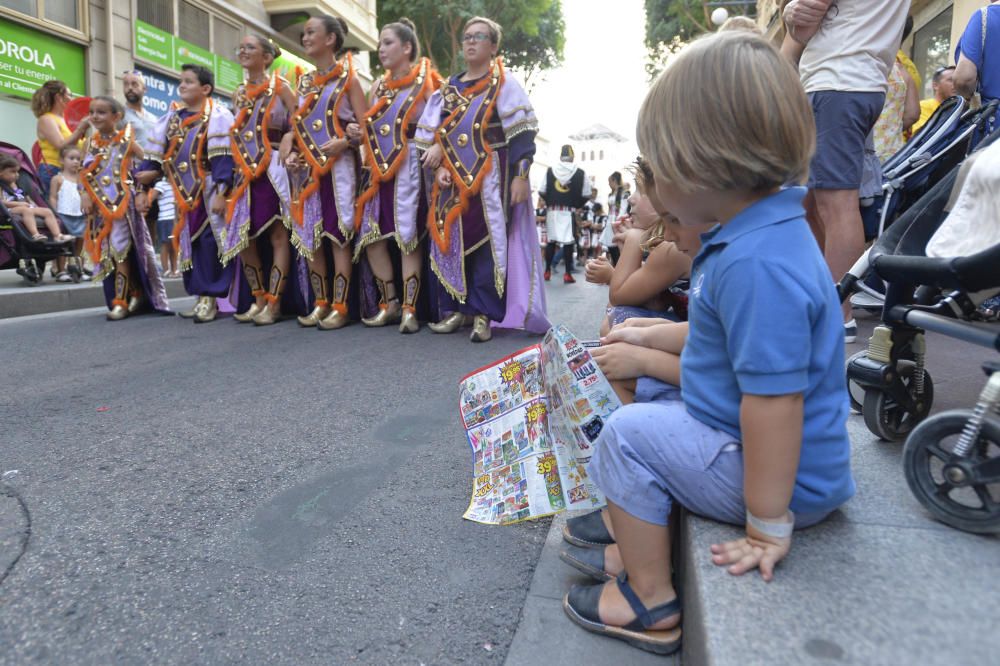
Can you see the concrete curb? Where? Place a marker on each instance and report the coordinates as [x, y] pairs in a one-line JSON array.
[[17, 300]]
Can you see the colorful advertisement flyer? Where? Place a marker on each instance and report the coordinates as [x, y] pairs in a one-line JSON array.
[[532, 420]]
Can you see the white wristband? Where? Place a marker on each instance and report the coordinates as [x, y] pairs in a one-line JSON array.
[[776, 530]]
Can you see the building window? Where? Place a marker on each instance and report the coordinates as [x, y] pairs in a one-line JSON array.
[[602, 155], [583, 156], [226, 39], [932, 48], [193, 25], [591, 156], [157, 13], [63, 12]]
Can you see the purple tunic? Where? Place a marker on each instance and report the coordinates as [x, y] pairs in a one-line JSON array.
[[492, 238]]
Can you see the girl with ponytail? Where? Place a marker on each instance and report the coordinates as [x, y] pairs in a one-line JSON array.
[[393, 202]]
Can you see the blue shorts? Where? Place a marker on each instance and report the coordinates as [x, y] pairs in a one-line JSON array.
[[843, 121], [653, 453], [164, 229], [74, 224]]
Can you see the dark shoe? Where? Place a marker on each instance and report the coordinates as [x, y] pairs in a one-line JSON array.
[[587, 531], [586, 560], [581, 605]]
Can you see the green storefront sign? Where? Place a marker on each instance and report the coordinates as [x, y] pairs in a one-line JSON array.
[[161, 48], [29, 58]]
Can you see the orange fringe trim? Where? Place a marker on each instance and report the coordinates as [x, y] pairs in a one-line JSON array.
[[119, 302], [271, 298], [249, 175], [465, 191], [432, 81], [92, 242], [316, 169], [321, 303], [90, 170]]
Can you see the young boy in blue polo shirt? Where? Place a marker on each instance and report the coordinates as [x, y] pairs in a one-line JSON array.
[[757, 433]]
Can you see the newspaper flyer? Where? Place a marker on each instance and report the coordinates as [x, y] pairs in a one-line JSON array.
[[532, 419]]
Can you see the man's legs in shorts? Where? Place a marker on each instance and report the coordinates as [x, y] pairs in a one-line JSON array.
[[843, 121]]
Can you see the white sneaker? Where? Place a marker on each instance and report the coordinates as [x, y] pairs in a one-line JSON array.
[[865, 301], [851, 331]]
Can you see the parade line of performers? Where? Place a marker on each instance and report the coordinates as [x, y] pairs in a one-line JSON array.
[[412, 204]]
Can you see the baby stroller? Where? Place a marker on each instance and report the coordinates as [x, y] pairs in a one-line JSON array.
[[952, 461], [17, 248]]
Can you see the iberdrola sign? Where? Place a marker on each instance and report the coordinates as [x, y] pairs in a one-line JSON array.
[[29, 58]]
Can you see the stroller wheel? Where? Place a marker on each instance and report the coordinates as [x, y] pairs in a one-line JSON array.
[[943, 481], [30, 271], [889, 420], [854, 390]]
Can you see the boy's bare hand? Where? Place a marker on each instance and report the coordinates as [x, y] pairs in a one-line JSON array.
[[619, 361], [623, 332], [754, 551]]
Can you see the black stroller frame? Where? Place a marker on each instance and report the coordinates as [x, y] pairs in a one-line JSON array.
[[951, 459]]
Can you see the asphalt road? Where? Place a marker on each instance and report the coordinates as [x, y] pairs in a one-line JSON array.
[[229, 494]]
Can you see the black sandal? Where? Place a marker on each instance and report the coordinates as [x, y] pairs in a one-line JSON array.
[[587, 560], [581, 604], [587, 531]]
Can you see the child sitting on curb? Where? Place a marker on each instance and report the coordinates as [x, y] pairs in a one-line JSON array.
[[759, 429]]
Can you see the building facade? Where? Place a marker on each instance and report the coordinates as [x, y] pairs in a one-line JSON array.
[[600, 151], [937, 27], [69, 40]]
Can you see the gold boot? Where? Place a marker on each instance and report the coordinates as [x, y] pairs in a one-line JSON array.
[[321, 309], [255, 280], [206, 310], [449, 324], [134, 302], [481, 331], [271, 313], [247, 317], [388, 307], [336, 319], [408, 322], [119, 306]]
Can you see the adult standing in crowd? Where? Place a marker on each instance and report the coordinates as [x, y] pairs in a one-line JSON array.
[[975, 72], [48, 104], [565, 189], [844, 52], [141, 119], [901, 109], [943, 86]]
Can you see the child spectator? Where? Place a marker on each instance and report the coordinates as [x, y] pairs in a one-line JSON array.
[[64, 198], [21, 209], [759, 429], [163, 194]]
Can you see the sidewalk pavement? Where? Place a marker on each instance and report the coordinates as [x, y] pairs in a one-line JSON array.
[[18, 298], [879, 582]]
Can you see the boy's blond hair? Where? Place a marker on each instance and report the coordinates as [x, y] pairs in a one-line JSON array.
[[728, 113], [740, 23]]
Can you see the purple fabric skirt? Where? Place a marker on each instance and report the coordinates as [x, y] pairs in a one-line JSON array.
[[265, 206], [331, 221]]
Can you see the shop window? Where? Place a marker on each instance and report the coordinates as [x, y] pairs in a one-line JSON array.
[[157, 13], [932, 48], [64, 12], [29, 7], [193, 25], [226, 39]]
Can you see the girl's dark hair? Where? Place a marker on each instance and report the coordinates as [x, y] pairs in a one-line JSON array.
[[337, 26], [643, 173], [116, 106], [8, 161], [44, 98], [407, 34], [617, 177], [267, 46]]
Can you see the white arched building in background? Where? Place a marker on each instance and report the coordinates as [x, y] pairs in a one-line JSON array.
[[600, 151]]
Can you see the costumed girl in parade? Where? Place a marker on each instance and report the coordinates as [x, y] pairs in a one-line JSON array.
[[117, 237], [479, 131], [323, 167], [394, 203], [191, 146], [256, 209]]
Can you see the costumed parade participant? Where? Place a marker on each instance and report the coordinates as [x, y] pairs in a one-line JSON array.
[[617, 208], [479, 130], [323, 168], [257, 221], [117, 237], [394, 202], [565, 189], [190, 146]]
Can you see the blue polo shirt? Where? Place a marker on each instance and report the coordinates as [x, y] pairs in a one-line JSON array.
[[765, 320]]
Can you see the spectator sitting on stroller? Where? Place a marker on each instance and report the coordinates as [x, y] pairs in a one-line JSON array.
[[21, 209]]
